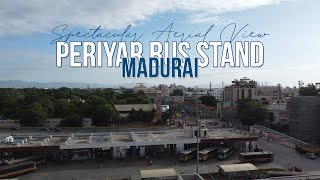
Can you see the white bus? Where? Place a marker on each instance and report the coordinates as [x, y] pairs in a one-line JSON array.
[[207, 153], [187, 155], [225, 153], [265, 156]]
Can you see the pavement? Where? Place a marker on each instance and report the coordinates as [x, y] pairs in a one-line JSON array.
[[113, 169]]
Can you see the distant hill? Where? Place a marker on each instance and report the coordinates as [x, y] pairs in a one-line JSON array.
[[23, 84]]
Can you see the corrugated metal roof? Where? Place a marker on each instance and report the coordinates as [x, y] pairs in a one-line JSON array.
[[237, 167], [154, 173], [136, 107]]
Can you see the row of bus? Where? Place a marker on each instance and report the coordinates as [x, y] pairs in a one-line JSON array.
[[20, 166], [225, 153]]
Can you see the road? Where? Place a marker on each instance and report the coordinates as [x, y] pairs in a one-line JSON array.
[[289, 157], [85, 170]]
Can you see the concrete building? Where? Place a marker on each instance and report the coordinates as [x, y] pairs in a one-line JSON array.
[[217, 93], [304, 118], [272, 94], [140, 87], [120, 144], [280, 115], [240, 89], [225, 111]]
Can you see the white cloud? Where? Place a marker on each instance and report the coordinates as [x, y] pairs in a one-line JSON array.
[[21, 16]]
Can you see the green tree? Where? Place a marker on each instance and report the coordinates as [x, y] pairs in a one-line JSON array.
[[73, 120], [104, 115], [141, 116], [309, 90], [250, 112], [208, 100], [34, 115], [177, 92], [64, 108]]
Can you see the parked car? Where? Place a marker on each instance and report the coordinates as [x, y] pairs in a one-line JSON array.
[[311, 156]]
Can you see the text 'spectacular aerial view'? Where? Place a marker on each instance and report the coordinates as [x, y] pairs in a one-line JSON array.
[[159, 90]]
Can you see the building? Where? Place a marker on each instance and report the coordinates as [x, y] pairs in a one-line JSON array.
[[279, 115], [124, 109], [217, 93], [119, 144], [240, 89], [269, 94], [140, 87], [225, 111], [304, 115]]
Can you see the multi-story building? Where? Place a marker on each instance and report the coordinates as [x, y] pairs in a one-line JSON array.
[[304, 118], [268, 95], [240, 89], [279, 115], [140, 87], [217, 93]]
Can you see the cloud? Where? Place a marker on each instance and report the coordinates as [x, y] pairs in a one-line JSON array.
[[20, 16]]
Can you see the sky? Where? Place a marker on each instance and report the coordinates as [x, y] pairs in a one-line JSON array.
[[291, 48]]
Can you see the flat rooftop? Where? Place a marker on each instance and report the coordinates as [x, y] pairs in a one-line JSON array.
[[113, 139]]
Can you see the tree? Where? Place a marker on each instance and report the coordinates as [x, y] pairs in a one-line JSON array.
[[34, 115], [167, 115], [141, 116], [104, 115], [177, 92], [73, 120], [208, 100], [309, 90], [250, 112]]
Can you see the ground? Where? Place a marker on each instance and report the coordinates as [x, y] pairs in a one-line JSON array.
[[87, 170]]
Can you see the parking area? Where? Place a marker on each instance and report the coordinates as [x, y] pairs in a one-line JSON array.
[[284, 158]]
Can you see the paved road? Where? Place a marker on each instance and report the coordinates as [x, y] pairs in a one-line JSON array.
[[87, 170], [289, 157]]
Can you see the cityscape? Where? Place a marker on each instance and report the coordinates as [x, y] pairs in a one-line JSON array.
[[241, 131], [159, 90]]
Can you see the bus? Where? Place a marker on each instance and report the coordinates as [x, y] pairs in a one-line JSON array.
[[248, 157], [225, 153], [36, 159], [14, 170], [187, 155], [205, 154]]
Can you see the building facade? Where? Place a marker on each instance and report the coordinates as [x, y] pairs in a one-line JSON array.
[[304, 118], [240, 89], [217, 93]]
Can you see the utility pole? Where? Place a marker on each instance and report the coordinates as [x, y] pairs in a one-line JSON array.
[[198, 132]]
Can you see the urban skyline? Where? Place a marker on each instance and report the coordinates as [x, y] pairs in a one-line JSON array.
[[22, 60]]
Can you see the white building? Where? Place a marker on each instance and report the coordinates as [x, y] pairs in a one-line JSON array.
[[140, 87], [280, 114], [217, 93]]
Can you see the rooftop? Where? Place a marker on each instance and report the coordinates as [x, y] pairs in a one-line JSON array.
[[111, 139], [237, 167]]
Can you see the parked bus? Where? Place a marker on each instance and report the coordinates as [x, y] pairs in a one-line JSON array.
[[14, 170], [225, 153], [36, 159], [187, 155], [205, 154], [248, 157]]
